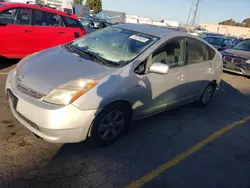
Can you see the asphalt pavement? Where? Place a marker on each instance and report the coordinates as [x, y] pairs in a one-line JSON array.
[[185, 147]]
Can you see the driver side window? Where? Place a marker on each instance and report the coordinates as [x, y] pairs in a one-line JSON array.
[[23, 17], [171, 53]]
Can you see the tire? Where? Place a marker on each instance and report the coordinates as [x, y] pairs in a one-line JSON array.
[[103, 127], [206, 95]]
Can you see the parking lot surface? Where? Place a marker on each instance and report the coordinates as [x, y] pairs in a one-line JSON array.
[[27, 161]]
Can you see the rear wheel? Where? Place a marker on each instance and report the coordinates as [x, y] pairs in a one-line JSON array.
[[206, 95], [110, 124]]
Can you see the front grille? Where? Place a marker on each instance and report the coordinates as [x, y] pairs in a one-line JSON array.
[[237, 60], [234, 60], [228, 58], [29, 92]]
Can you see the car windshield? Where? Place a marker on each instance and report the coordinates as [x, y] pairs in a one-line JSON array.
[[116, 45], [244, 45], [84, 22], [213, 40]]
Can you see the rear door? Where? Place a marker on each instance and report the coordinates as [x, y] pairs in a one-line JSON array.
[[199, 66], [17, 32], [47, 29]]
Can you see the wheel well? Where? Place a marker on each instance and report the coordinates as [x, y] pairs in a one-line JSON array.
[[214, 82], [125, 103], [121, 102]]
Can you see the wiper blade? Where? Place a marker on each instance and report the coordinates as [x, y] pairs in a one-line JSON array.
[[95, 57]]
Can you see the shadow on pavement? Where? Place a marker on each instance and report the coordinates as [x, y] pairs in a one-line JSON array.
[[5, 63], [144, 148]]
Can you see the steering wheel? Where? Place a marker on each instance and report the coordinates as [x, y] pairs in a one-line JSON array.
[[24, 19]]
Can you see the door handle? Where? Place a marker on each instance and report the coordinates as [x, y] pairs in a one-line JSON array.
[[182, 77], [27, 31], [76, 34], [61, 32], [210, 70]]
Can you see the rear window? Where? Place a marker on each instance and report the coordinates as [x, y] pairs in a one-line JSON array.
[[213, 40], [69, 22]]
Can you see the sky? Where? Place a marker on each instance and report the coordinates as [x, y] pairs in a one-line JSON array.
[[210, 11]]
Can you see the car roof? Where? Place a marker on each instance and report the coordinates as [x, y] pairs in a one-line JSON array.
[[38, 7], [219, 37], [94, 19], [147, 29]]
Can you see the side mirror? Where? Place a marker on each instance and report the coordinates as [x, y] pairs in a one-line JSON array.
[[159, 68], [91, 25], [223, 45]]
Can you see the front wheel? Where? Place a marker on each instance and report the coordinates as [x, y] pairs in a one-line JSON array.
[[206, 95], [110, 124]]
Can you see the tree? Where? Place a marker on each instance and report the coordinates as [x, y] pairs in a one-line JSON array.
[[246, 22], [230, 22], [95, 5], [77, 2]]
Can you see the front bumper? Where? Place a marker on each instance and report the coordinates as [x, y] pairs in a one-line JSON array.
[[237, 68], [53, 123]]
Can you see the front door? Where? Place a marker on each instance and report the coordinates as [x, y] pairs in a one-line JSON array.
[[17, 32], [166, 90]]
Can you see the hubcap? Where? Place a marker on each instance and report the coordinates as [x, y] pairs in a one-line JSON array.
[[207, 94], [111, 125]]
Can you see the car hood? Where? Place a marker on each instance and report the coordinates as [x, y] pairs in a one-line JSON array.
[[216, 46], [238, 53], [51, 68]]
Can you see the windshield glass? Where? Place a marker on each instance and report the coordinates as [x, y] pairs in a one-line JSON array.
[[245, 45], [116, 45], [84, 22], [215, 41]]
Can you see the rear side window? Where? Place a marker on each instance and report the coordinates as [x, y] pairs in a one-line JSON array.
[[211, 53], [8, 13], [43, 18], [7, 16], [69, 22], [197, 52], [17, 16]]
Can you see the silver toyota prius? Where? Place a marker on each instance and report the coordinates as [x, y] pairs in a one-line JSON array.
[[96, 85]]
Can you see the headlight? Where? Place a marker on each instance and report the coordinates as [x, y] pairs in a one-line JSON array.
[[69, 92], [248, 61]]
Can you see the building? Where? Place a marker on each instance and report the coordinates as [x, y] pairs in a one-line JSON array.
[[54, 3], [227, 30], [172, 23]]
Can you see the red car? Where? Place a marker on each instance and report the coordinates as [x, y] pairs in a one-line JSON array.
[[28, 28]]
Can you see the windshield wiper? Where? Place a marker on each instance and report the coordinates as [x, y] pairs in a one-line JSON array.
[[93, 55]]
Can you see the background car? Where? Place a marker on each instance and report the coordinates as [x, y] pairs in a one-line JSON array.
[[93, 24], [236, 40], [237, 59], [96, 85], [208, 34], [220, 43], [29, 28]]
